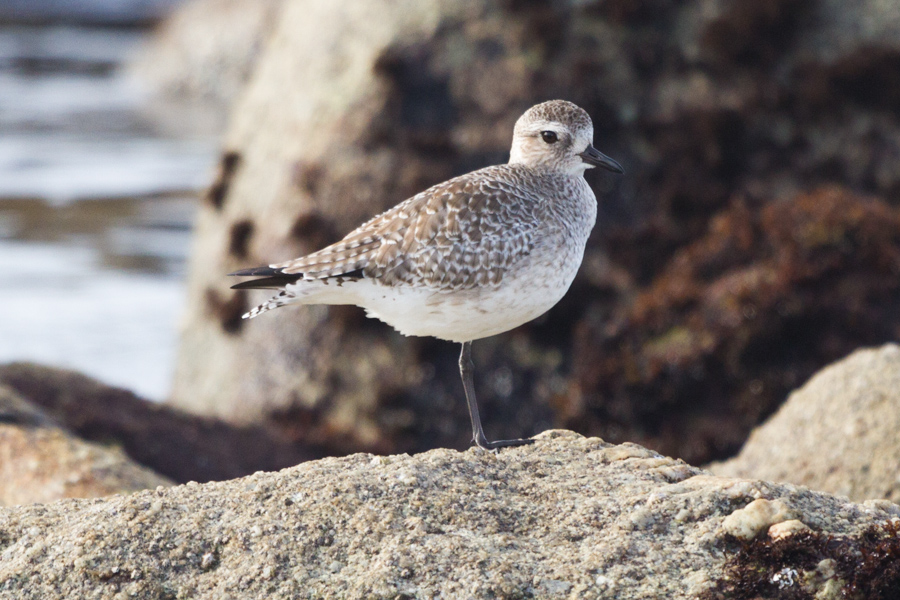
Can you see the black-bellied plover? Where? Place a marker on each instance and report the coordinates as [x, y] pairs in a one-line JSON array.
[[472, 257]]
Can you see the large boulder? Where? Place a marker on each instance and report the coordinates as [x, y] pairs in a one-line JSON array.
[[838, 433], [729, 116], [41, 462], [569, 517]]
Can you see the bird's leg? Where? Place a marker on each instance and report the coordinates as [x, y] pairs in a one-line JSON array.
[[467, 372]]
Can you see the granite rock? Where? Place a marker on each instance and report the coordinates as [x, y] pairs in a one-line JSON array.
[[178, 445], [41, 462], [569, 517], [837, 433]]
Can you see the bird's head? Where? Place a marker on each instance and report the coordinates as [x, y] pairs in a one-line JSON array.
[[556, 136]]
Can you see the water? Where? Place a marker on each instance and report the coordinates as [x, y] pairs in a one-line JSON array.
[[120, 12], [96, 204]]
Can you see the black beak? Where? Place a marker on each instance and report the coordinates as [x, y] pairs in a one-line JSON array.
[[594, 157]]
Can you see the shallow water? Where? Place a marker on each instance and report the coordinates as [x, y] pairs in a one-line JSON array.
[[96, 205]]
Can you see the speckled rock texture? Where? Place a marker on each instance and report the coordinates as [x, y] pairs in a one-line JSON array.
[[838, 433], [753, 240], [40, 462], [568, 517]]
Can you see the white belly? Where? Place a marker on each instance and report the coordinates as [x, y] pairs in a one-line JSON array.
[[467, 315], [461, 316]]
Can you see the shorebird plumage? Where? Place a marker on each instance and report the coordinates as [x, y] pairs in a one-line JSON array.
[[468, 258]]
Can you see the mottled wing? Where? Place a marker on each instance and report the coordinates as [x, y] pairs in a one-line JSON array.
[[459, 234]]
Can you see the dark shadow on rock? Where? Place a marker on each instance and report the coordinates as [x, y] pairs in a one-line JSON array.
[[738, 319], [176, 444]]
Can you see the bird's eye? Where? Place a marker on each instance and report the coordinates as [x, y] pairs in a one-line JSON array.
[[549, 137]]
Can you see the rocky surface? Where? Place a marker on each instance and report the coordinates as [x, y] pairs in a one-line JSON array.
[[838, 433], [752, 242], [178, 445], [40, 462], [569, 517]]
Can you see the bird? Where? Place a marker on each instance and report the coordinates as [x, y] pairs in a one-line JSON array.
[[469, 258]]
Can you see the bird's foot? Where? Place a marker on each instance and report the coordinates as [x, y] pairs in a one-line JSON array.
[[483, 443]]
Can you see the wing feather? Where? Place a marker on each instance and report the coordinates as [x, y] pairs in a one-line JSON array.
[[458, 234]]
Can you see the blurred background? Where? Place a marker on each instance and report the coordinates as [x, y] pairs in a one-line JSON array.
[[150, 147], [97, 193]]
